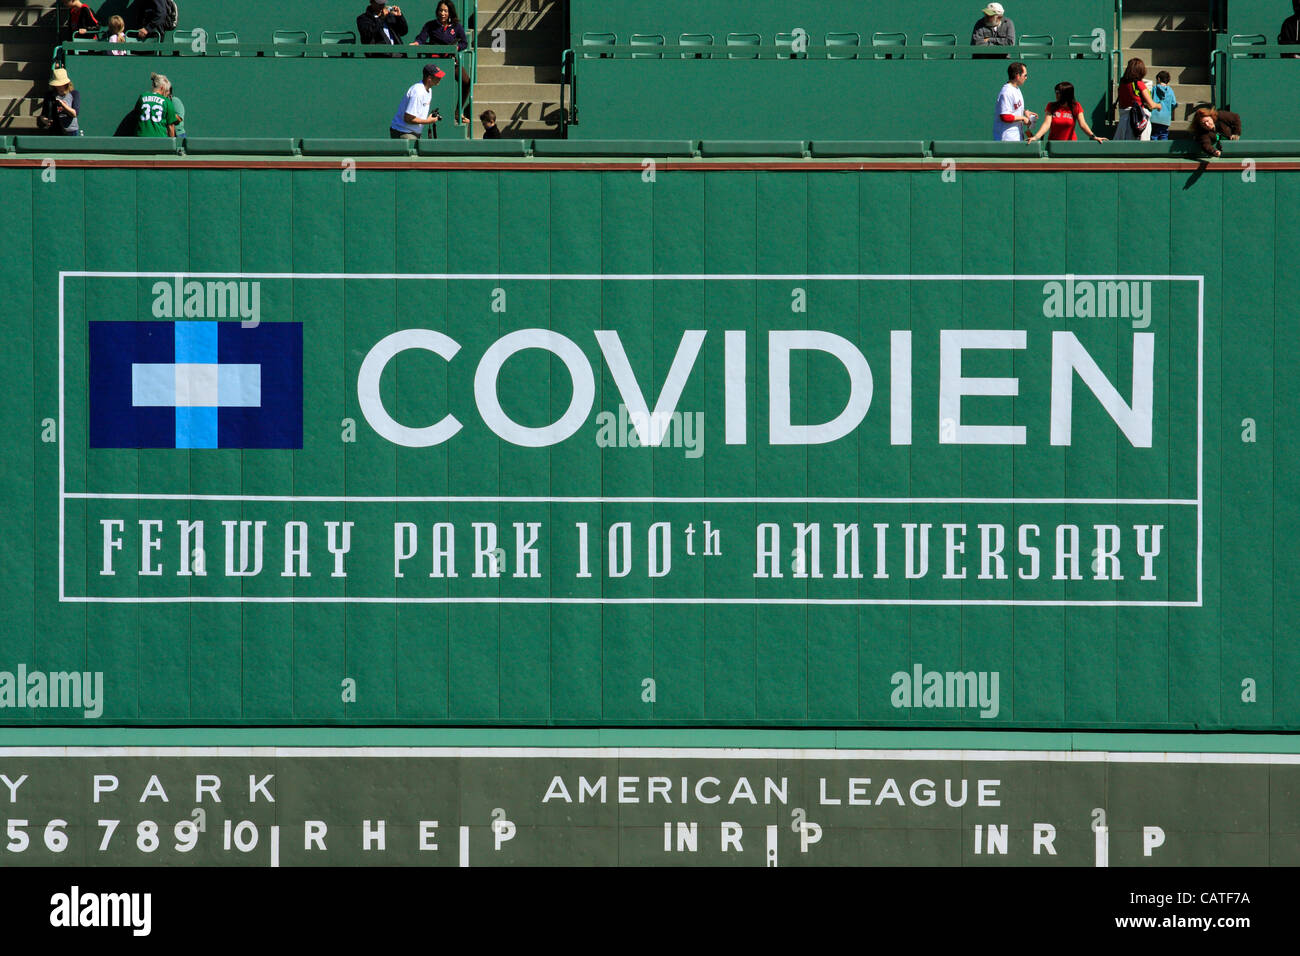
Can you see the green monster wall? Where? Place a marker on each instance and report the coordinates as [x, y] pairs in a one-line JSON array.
[[1201, 636]]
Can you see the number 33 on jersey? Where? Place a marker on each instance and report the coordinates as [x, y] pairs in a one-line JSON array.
[[155, 113]]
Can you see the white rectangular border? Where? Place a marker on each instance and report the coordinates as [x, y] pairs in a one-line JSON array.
[[64, 496], [668, 753]]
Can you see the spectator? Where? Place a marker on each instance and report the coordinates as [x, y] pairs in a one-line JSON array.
[[1211, 126], [179, 107], [151, 17], [117, 34], [1289, 35], [155, 112], [1010, 112], [81, 20], [413, 112], [489, 120], [61, 106], [1163, 115], [994, 29], [1135, 103], [445, 30], [1062, 116], [381, 24]]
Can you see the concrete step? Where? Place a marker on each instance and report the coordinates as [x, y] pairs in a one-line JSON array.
[[519, 74], [545, 112], [18, 114], [514, 92], [1166, 22], [1133, 7], [1182, 68], [521, 15]]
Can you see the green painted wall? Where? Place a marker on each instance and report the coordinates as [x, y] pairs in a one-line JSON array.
[[815, 99], [1257, 16], [271, 652], [768, 17], [1254, 85], [259, 96]]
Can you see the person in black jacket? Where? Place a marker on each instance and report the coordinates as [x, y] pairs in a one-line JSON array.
[[150, 15], [1289, 35], [381, 24]]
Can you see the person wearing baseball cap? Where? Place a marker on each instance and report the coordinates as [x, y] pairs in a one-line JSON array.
[[413, 112], [994, 29]]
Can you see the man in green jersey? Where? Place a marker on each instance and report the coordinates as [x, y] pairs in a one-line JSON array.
[[155, 113]]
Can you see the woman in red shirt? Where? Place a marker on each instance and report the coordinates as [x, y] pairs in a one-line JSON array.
[[1062, 116], [1133, 91]]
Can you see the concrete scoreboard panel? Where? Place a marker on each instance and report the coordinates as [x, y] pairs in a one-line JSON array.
[[731, 448]]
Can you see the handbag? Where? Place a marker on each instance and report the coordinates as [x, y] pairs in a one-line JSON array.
[[1138, 117]]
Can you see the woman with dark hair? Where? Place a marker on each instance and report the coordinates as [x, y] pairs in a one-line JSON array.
[[1211, 127], [1135, 103], [445, 30], [1062, 116]]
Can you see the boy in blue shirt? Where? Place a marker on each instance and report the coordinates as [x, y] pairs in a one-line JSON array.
[[1165, 101]]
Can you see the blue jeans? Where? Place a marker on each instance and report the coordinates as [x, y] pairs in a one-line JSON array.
[[1159, 132]]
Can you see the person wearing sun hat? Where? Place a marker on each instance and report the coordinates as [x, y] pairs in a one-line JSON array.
[[994, 28], [61, 106]]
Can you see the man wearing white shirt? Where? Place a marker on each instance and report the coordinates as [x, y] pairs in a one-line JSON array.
[[413, 112], [1009, 115]]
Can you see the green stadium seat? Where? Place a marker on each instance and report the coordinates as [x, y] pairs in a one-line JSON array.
[[598, 39], [358, 147], [338, 36], [1086, 149], [990, 149], [843, 46], [1247, 39], [882, 149], [517, 148], [647, 39], [939, 39], [183, 41], [696, 39], [638, 148], [1080, 45], [6, 144], [786, 42], [753, 147], [887, 40], [743, 39], [1035, 40], [155, 145], [226, 37], [250, 146], [290, 38]]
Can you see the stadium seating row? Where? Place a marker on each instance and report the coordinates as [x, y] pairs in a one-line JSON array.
[[912, 17], [625, 149], [838, 45], [1251, 77]]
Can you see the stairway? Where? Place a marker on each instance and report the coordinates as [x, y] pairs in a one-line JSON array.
[[1173, 35], [28, 35], [520, 83]]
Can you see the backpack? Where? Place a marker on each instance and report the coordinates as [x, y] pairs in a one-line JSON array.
[[172, 18]]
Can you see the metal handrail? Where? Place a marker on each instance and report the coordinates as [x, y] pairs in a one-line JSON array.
[[1218, 79], [824, 52]]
